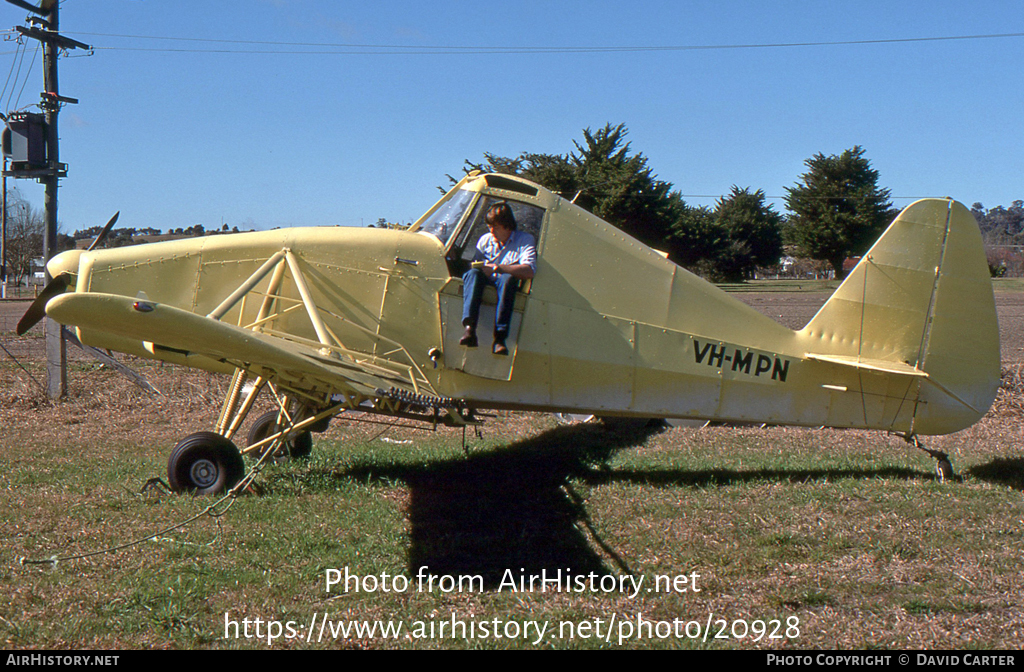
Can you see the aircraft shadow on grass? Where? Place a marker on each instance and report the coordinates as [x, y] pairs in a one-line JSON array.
[[515, 508], [1001, 471]]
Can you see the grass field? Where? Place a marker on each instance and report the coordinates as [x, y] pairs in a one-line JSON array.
[[781, 286], [1008, 284], [795, 538], [841, 539], [814, 286]]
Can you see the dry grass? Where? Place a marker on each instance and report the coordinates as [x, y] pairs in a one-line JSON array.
[[1010, 398], [849, 532]]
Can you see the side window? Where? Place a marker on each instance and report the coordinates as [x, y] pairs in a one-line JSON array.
[[442, 222], [529, 218]]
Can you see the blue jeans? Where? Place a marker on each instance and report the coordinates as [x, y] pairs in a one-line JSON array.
[[473, 283]]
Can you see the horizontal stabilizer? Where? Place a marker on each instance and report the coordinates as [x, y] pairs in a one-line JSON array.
[[879, 365]]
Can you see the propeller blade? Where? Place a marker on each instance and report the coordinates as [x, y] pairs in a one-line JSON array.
[[103, 232], [37, 310]]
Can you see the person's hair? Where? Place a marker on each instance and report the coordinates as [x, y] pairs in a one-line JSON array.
[[500, 213]]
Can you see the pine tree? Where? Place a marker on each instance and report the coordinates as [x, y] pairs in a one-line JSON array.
[[837, 207], [754, 231], [602, 176]]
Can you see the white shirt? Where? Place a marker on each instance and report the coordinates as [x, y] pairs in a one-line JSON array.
[[520, 248]]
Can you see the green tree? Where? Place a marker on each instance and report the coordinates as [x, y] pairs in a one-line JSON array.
[[999, 225], [621, 188], [604, 177], [726, 244], [837, 207], [697, 237], [753, 230]]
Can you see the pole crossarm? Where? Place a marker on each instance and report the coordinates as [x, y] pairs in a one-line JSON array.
[[51, 37], [41, 11]]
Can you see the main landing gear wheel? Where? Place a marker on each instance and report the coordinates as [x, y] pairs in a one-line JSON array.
[[205, 463], [299, 446]]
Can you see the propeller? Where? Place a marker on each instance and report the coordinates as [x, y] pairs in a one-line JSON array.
[[57, 286], [37, 310], [103, 232]]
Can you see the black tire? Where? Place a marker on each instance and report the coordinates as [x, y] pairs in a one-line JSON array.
[[262, 428], [299, 446], [204, 463]]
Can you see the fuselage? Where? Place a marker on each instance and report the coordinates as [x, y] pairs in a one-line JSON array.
[[606, 326]]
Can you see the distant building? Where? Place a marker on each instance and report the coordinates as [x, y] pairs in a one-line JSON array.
[[38, 274]]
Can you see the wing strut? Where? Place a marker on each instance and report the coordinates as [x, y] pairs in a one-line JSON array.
[[311, 309], [248, 286], [235, 409]]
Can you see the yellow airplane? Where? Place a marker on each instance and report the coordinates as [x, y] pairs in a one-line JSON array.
[[361, 319]]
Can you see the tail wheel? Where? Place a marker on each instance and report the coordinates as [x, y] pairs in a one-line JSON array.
[[205, 463], [300, 445]]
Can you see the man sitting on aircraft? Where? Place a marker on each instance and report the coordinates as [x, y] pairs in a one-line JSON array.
[[504, 256]]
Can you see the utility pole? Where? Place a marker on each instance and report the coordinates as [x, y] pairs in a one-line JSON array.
[[45, 26], [56, 346], [3, 237]]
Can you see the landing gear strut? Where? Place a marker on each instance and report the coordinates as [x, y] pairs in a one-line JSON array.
[[943, 467], [301, 445]]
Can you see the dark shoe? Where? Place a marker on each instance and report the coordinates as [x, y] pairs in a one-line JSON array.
[[500, 348], [468, 338]]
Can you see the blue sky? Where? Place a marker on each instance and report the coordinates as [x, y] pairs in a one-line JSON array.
[[178, 132]]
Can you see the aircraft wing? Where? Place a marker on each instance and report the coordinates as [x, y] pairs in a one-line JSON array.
[[177, 335]]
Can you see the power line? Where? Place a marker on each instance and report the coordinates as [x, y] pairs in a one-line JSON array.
[[420, 50], [824, 198], [31, 64], [17, 75], [13, 62]]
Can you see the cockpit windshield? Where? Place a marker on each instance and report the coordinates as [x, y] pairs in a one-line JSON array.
[[442, 222]]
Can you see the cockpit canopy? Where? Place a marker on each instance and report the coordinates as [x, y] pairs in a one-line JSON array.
[[457, 221]]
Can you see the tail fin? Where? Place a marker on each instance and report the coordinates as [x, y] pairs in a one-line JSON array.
[[920, 299]]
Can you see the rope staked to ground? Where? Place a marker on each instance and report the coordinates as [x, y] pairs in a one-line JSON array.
[[212, 510]]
